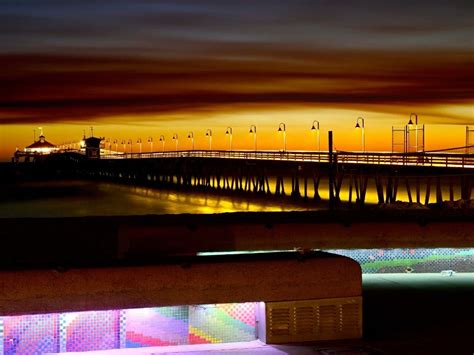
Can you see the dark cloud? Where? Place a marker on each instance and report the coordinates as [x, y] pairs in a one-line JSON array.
[[83, 60], [61, 88]]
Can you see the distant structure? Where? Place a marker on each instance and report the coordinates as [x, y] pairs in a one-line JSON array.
[[92, 147], [41, 149], [41, 146]]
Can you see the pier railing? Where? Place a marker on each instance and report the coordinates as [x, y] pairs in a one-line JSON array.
[[425, 159]]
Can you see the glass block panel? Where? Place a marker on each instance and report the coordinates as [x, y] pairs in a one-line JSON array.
[[156, 326], [87, 331], [30, 334], [222, 323], [419, 260]]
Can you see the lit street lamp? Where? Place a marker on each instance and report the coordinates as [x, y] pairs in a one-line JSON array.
[[162, 140], [209, 134], [253, 130], [191, 136], [315, 127], [139, 142], [131, 145], [116, 143], [175, 137], [410, 123], [229, 132], [362, 126], [150, 140], [123, 145], [280, 129]]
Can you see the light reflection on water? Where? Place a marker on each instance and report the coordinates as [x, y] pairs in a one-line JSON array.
[[84, 198], [371, 193]]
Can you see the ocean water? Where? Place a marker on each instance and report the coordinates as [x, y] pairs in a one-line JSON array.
[[91, 198]]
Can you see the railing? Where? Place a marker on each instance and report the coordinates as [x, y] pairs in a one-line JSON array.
[[425, 159]]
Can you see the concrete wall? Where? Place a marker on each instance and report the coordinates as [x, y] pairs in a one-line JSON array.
[[198, 280], [102, 241]]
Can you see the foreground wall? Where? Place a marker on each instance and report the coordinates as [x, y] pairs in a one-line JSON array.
[[101, 241], [197, 280]]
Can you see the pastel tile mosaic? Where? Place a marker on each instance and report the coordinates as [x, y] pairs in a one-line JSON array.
[[411, 260], [156, 326], [195, 324], [30, 334], [127, 328], [86, 331], [220, 323]]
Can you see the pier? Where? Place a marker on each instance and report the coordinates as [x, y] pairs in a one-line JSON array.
[[348, 177]]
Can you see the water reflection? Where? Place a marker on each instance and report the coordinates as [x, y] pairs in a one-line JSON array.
[[84, 198]]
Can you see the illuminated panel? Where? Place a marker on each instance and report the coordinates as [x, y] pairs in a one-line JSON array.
[[421, 260], [86, 331], [156, 326], [128, 328], [222, 323], [30, 334], [411, 260], [1, 335]]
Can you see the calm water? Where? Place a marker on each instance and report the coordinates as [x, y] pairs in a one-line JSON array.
[[85, 198]]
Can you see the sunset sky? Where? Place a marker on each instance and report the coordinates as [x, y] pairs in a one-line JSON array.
[[134, 69]]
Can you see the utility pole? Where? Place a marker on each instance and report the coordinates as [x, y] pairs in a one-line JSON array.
[[331, 170]]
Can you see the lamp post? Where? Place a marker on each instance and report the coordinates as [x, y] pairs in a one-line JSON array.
[[123, 145], [229, 132], [361, 126], [253, 130], [131, 145], [468, 141], [315, 127], [116, 143], [280, 129], [209, 134], [162, 140], [410, 123], [191, 136], [139, 142], [150, 140], [175, 137]]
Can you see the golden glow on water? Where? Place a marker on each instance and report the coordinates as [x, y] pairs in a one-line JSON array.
[[82, 198], [187, 202]]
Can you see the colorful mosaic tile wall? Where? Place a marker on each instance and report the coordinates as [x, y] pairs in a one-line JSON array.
[[129, 328], [411, 260], [132, 328]]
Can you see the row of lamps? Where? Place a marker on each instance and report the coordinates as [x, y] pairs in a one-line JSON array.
[[360, 124]]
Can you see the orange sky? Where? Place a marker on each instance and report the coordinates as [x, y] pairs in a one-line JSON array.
[[134, 70], [298, 123]]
